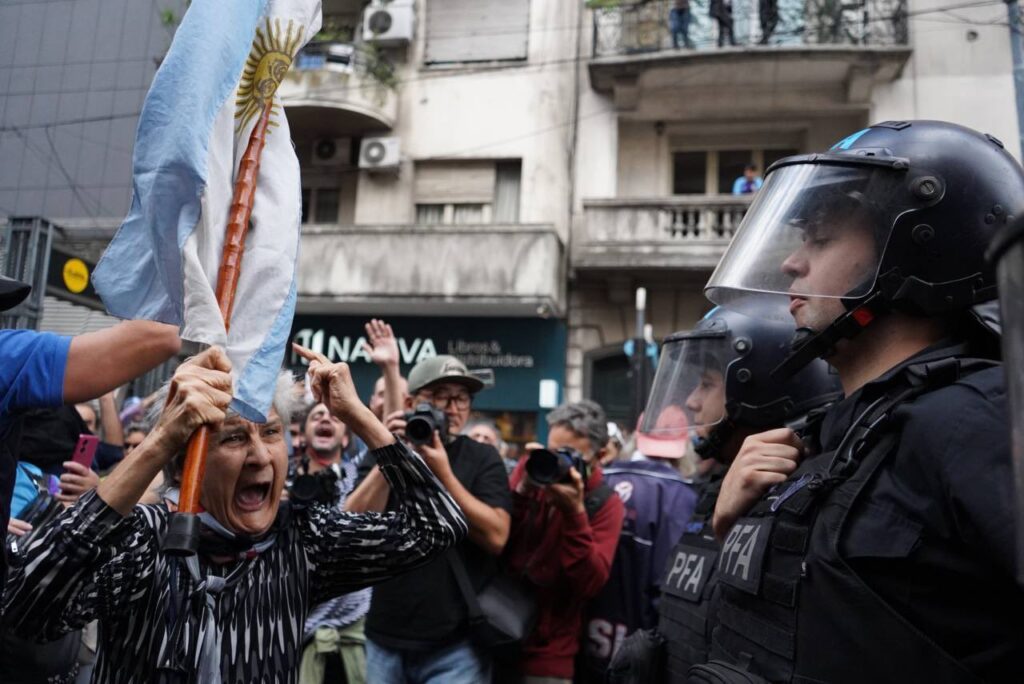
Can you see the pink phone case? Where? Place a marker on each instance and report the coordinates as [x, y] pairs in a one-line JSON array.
[[85, 450]]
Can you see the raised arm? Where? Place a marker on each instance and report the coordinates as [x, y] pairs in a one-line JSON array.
[[102, 360], [199, 394], [352, 550], [383, 348], [113, 431]]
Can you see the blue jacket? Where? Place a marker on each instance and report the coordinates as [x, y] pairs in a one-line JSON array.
[[658, 503]]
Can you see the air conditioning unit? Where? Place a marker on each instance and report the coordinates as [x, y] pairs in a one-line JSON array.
[[388, 24], [331, 151], [380, 154]]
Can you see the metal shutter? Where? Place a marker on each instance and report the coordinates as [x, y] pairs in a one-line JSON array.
[[468, 182], [477, 30]]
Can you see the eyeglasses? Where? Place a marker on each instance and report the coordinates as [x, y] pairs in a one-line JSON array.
[[441, 400]]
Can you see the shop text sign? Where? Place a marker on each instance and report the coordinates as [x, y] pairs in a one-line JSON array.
[[487, 354], [522, 352]]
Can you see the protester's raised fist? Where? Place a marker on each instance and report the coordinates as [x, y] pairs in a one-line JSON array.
[[199, 394], [331, 383], [764, 460]]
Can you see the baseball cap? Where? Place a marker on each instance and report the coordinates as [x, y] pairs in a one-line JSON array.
[[12, 292], [668, 444], [442, 368]]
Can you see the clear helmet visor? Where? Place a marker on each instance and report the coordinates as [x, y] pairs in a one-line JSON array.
[[814, 230], [688, 394]]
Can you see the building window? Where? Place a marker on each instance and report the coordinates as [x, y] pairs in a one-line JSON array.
[[607, 381], [712, 172], [730, 167], [321, 204], [477, 30], [467, 193], [689, 173]]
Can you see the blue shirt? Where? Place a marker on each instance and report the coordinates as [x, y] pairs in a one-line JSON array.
[[32, 368], [741, 186]]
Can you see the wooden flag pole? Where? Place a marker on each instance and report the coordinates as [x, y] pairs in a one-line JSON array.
[[183, 534]]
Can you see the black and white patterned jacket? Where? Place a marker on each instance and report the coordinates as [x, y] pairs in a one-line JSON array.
[[92, 563]]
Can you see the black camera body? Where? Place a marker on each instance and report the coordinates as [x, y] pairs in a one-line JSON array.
[[320, 487], [545, 467], [421, 422]]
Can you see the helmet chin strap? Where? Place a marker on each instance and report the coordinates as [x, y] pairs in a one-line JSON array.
[[710, 447], [808, 345]]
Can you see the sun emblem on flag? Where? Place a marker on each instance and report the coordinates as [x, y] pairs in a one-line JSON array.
[[272, 52]]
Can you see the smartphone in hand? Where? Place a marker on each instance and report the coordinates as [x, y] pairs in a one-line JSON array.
[[85, 450]]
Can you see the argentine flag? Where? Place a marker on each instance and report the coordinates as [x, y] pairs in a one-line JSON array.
[[227, 59]]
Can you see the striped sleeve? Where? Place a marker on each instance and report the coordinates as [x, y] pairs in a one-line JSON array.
[[86, 564], [354, 550]]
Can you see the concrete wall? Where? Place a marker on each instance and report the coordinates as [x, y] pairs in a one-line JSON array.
[[494, 111], [960, 70], [602, 314]]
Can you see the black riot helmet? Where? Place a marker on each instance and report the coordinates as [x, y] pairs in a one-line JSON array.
[[12, 292], [895, 216], [716, 378]]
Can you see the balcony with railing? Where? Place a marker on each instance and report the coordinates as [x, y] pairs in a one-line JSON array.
[[336, 89], [490, 269], [661, 233], [845, 47]]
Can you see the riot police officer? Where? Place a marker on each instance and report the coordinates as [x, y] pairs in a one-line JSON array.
[[713, 386], [885, 552]]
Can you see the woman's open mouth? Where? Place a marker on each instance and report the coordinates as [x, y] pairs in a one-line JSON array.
[[252, 497]]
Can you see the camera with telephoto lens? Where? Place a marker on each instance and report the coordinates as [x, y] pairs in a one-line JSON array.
[[320, 487], [421, 423], [545, 467]]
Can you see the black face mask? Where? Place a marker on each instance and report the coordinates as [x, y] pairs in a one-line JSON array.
[[49, 436]]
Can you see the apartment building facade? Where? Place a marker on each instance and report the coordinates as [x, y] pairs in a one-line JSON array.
[[497, 177]]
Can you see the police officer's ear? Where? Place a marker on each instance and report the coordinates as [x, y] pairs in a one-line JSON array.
[[601, 455]]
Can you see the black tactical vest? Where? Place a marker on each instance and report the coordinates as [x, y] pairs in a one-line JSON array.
[[789, 606], [688, 590]]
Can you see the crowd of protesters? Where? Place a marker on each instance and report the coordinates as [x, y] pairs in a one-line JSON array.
[[342, 550]]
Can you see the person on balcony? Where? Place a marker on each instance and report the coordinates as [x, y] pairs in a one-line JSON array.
[[768, 12], [679, 24], [721, 11], [748, 183]]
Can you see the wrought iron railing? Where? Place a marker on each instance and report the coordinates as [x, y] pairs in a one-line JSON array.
[[643, 25]]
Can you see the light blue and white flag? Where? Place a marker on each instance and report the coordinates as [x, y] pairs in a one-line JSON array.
[[227, 58]]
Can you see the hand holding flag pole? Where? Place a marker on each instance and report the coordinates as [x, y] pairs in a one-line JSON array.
[[183, 535]]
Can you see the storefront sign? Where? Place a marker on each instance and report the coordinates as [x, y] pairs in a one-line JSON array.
[[526, 355], [69, 277]]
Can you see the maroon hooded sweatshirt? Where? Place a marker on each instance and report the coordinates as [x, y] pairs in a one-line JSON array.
[[568, 561]]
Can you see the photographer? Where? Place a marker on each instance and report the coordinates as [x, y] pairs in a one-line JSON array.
[[564, 536], [417, 626]]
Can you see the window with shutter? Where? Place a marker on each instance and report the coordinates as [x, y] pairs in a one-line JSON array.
[[477, 30], [467, 192]]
